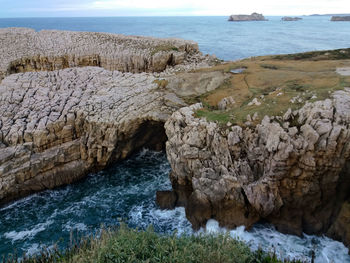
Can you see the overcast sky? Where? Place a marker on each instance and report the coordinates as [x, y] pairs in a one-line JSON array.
[[49, 8]]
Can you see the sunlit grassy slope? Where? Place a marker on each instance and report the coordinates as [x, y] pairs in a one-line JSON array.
[[277, 82]]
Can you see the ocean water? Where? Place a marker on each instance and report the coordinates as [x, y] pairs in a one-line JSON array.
[[126, 191], [215, 35]]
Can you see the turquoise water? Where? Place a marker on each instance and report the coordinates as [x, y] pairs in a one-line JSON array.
[[215, 35], [126, 191]]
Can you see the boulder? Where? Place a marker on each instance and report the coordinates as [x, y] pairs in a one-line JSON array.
[[166, 199]]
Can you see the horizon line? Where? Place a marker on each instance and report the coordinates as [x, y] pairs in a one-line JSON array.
[[101, 16]]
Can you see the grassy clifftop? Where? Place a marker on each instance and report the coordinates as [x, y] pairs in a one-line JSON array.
[[270, 85]]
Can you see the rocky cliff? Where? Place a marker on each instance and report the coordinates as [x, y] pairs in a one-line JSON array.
[[61, 119], [23, 49], [252, 17], [291, 171], [57, 126]]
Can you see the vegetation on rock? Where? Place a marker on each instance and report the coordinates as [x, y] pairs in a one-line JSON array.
[[270, 85]]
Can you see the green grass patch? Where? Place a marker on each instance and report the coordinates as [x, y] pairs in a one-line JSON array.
[[317, 55], [163, 48], [269, 66], [215, 115], [129, 245]]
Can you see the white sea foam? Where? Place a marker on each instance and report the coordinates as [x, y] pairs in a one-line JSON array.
[[28, 233], [172, 220], [69, 226], [286, 246], [33, 249]]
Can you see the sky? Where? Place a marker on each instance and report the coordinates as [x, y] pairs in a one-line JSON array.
[[66, 8]]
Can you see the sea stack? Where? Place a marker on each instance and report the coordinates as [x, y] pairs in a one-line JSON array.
[[252, 17], [340, 18], [288, 18]]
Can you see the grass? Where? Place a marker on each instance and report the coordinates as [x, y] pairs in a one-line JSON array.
[[277, 82], [164, 47], [336, 54], [130, 245]]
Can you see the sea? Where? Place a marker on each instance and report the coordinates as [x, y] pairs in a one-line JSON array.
[[126, 191]]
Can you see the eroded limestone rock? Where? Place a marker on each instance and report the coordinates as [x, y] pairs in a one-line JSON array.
[[61, 119], [57, 126], [291, 175], [23, 49]]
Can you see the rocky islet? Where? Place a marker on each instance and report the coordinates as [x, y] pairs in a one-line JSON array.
[[340, 18], [288, 18], [252, 17]]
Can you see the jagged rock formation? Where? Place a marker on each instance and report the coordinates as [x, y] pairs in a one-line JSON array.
[[252, 17], [23, 49], [340, 18], [292, 171], [58, 125], [288, 18]]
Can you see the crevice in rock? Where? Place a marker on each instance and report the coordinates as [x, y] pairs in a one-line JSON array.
[[343, 193], [150, 135], [246, 202]]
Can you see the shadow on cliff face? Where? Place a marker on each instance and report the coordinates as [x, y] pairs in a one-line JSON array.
[[51, 63], [149, 134], [141, 134], [42, 63]]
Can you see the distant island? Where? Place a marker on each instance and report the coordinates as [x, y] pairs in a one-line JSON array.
[[330, 15], [288, 18], [252, 17], [340, 18]]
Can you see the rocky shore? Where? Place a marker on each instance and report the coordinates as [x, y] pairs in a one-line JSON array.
[[24, 49], [292, 171], [56, 126], [75, 102], [256, 160], [252, 17]]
